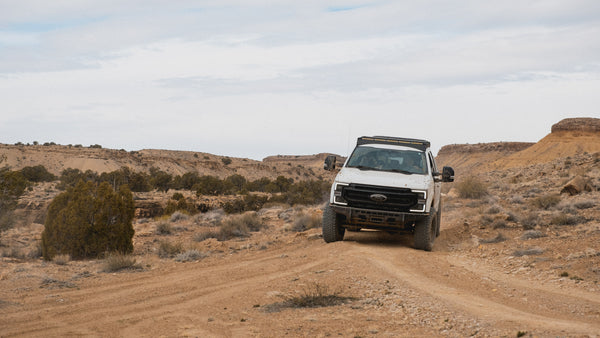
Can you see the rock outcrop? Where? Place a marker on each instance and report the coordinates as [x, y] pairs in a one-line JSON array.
[[581, 124]]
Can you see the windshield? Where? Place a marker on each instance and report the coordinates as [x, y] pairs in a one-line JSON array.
[[394, 160]]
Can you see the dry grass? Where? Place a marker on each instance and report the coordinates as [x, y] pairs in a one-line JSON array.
[[528, 252], [190, 256], [499, 238], [471, 187], [61, 259], [565, 219], [546, 201], [168, 249], [306, 221], [164, 228], [315, 295], [117, 262]]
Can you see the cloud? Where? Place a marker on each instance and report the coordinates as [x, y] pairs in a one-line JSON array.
[[313, 76]]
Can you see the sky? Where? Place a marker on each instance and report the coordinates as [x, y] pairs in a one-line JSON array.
[[255, 78]]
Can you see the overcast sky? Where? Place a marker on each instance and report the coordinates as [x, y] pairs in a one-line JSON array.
[[257, 78]]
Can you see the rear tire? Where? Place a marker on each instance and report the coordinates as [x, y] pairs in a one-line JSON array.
[[425, 231], [332, 228]]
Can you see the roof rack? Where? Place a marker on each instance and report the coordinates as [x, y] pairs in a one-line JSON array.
[[400, 141]]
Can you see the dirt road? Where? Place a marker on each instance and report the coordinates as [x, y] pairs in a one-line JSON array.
[[394, 289]]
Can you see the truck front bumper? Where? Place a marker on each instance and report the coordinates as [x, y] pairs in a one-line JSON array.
[[378, 219]]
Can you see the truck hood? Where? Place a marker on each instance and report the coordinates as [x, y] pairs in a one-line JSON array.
[[383, 178]]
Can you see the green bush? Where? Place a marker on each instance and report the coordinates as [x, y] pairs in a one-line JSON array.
[[12, 186], [88, 220], [38, 173], [247, 203], [70, 177], [209, 185], [471, 187], [162, 181]]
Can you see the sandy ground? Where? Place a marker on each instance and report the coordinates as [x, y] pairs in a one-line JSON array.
[[460, 289]]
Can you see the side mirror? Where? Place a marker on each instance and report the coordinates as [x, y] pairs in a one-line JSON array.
[[447, 174], [330, 163]]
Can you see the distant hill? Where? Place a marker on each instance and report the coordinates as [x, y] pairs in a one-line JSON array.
[[56, 158], [568, 137]]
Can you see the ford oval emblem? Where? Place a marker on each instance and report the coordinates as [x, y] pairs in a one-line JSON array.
[[378, 198]]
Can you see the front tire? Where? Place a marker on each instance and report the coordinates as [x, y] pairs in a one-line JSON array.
[[332, 227], [425, 231]]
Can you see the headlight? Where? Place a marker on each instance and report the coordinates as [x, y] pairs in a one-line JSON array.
[[421, 200], [338, 190]]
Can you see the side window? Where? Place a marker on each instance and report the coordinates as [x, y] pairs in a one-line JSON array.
[[432, 163]]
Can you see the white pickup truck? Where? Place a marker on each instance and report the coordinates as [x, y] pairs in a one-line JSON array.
[[390, 184]]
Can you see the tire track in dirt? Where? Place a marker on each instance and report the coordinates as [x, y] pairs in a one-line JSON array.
[[422, 272], [134, 305]]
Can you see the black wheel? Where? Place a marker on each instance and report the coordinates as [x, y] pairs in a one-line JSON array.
[[332, 228], [425, 231]]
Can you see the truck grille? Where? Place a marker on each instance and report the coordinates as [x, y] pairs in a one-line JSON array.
[[382, 198]]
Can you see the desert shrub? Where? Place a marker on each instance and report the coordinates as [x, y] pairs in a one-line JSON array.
[[186, 181], [12, 186], [516, 199], [70, 177], [565, 219], [206, 235], [135, 181], [494, 209], [252, 221], [226, 160], [546, 201], [239, 226], [528, 252], [178, 216], [88, 220], [160, 180], [258, 185], [177, 196], [235, 183], [180, 206], [306, 193], [168, 249], [499, 238], [585, 204], [190, 256], [512, 217], [315, 295], [306, 221], [249, 202], [164, 228], [485, 220], [61, 259], [532, 234], [209, 185], [498, 224], [38, 173], [471, 187], [530, 221], [117, 261]]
